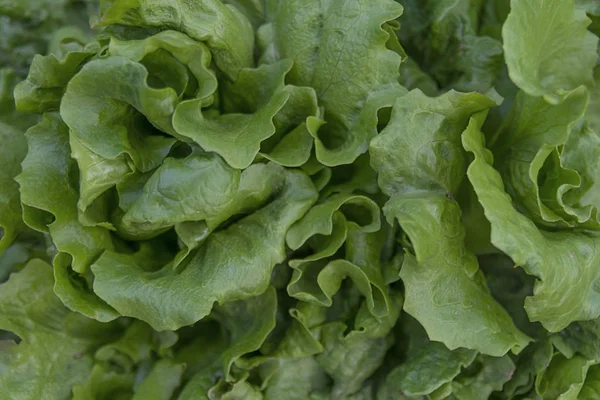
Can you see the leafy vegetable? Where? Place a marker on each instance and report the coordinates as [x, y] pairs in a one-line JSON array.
[[298, 199]]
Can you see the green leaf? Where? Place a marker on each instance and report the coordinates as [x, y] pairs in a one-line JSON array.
[[12, 152], [197, 388], [302, 337], [548, 48], [295, 126], [592, 115], [116, 90], [214, 272], [47, 79], [580, 153], [295, 379], [237, 134], [241, 390], [49, 198], [320, 219], [580, 337], [168, 56], [421, 165], [564, 378], [492, 374], [254, 10], [565, 263], [57, 344], [105, 385], [338, 219], [427, 370], [440, 261], [204, 21], [510, 286], [420, 148], [194, 188], [443, 38], [353, 357], [248, 323], [136, 345], [34, 27], [161, 382], [413, 77], [340, 51], [352, 178], [532, 131]]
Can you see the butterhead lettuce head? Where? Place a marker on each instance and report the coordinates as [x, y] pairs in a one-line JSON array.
[[299, 199]]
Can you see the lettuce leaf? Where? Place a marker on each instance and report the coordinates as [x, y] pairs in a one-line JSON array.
[[299, 199]]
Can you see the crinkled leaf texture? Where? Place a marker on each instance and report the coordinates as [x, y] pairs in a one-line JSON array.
[[194, 208], [48, 169], [566, 263], [56, 347], [12, 152], [548, 47], [338, 48], [232, 264], [421, 165]]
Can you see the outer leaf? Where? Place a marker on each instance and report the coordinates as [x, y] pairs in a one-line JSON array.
[[565, 263], [564, 378], [420, 148], [351, 358], [12, 152], [55, 352], [532, 131], [466, 316], [193, 55], [203, 20], [548, 47], [338, 49], [49, 198], [116, 90], [295, 125], [421, 165], [47, 80], [235, 136], [194, 188], [442, 36], [248, 323], [167, 299]]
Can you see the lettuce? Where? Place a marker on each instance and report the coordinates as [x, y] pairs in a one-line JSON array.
[[292, 199]]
